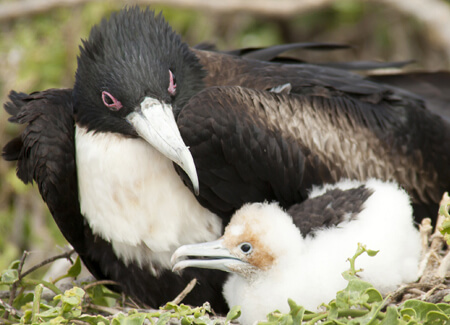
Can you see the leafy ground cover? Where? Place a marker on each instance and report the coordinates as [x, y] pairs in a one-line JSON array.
[[24, 301]]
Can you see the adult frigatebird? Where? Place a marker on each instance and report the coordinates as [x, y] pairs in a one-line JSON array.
[[300, 253], [238, 130]]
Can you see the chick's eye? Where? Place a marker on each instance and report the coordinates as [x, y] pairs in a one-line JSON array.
[[246, 248], [172, 84], [110, 101]]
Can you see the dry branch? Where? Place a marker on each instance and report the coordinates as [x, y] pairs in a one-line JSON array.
[[435, 14], [185, 292], [14, 10]]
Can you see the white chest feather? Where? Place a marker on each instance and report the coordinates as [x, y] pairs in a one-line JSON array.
[[132, 197]]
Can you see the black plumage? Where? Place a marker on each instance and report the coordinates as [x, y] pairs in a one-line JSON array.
[[329, 209], [249, 140]]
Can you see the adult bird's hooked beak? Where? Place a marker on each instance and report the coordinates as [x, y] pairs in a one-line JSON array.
[[156, 124], [212, 255]]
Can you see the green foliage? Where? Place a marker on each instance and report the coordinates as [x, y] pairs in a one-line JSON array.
[[234, 313], [361, 304], [358, 304], [444, 211], [74, 305]]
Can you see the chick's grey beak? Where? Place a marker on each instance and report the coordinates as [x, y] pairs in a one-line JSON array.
[[211, 255], [156, 124]]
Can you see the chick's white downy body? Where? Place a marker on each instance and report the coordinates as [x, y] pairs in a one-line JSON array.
[[308, 270]]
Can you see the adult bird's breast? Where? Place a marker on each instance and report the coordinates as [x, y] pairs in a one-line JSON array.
[[132, 197]]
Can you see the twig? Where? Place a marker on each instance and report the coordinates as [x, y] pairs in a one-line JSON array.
[[425, 229], [10, 309], [438, 296], [16, 283], [185, 291], [109, 310], [21, 275], [445, 265], [410, 287], [66, 255], [132, 303], [431, 272], [100, 282], [76, 321], [430, 292]]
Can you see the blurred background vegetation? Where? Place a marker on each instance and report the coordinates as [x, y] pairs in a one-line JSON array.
[[39, 51]]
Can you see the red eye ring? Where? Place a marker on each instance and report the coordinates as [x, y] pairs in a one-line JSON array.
[[110, 101], [172, 84]]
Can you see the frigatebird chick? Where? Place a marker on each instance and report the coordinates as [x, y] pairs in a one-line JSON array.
[[300, 253]]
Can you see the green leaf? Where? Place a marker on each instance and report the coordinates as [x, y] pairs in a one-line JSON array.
[[48, 285], [355, 294], [9, 276], [14, 265], [170, 306], [184, 310], [445, 308], [102, 296], [391, 317], [234, 313], [71, 301], [163, 319], [285, 319], [94, 320], [26, 318], [371, 252], [134, 319], [273, 317], [75, 269], [296, 312], [421, 308], [408, 313], [374, 295], [371, 317], [435, 317], [36, 302], [23, 299], [333, 312], [444, 209], [50, 313]]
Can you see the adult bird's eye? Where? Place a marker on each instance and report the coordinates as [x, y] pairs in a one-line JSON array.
[[246, 248], [110, 101], [172, 84]]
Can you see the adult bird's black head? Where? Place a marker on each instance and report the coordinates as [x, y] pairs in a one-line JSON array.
[[134, 75]]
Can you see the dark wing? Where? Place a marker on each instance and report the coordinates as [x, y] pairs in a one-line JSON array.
[[274, 54], [227, 70], [329, 209], [251, 146], [365, 65], [45, 154], [271, 53]]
